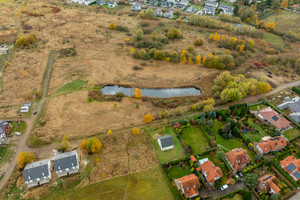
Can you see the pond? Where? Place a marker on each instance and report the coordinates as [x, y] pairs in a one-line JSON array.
[[152, 92]]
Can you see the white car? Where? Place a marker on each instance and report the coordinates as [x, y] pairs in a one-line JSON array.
[[17, 133], [24, 109], [224, 187]]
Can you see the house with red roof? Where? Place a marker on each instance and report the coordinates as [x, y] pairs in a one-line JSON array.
[[192, 157], [268, 183], [211, 172], [237, 159], [292, 166], [189, 185], [274, 118], [271, 144]]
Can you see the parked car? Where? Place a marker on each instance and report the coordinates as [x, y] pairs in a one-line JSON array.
[[35, 112], [17, 133], [240, 174], [224, 187]]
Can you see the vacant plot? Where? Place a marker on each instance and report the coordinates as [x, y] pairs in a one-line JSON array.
[[144, 185], [173, 154], [193, 137], [286, 21], [291, 133]]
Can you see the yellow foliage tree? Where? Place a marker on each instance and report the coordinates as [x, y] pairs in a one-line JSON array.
[[92, 145], [132, 50], [210, 55], [83, 144], [183, 53], [216, 37], [242, 47], [138, 93], [25, 158], [65, 143], [190, 61], [209, 101], [198, 59], [183, 59], [227, 51], [211, 36], [167, 59], [284, 3], [270, 26], [234, 39], [109, 132], [208, 108], [112, 26], [127, 39], [148, 118], [204, 59], [135, 131]]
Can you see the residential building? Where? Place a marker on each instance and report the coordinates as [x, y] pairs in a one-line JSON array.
[[158, 12], [166, 142], [85, 2], [211, 172], [272, 144], [66, 163], [274, 118], [166, 4], [268, 183], [189, 185], [226, 9], [237, 159], [37, 173], [169, 14], [211, 3], [191, 9], [172, 1], [111, 4], [292, 166], [153, 3], [293, 105], [193, 158], [101, 2], [142, 1], [135, 7], [180, 6], [209, 10], [5, 127]]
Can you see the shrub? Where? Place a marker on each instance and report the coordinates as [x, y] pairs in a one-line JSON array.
[[173, 33], [145, 24], [139, 35], [191, 49], [120, 95], [25, 40], [148, 14], [122, 28], [135, 131], [148, 118], [198, 42], [112, 26]]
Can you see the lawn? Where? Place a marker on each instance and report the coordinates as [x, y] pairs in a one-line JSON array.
[[22, 127], [229, 144], [255, 137], [144, 185], [235, 197], [285, 21], [257, 127], [177, 171], [255, 107], [7, 155], [71, 87], [194, 137], [173, 154], [291, 133], [274, 39], [13, 124]]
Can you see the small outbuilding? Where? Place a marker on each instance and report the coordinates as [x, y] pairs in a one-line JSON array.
[[166, 142]]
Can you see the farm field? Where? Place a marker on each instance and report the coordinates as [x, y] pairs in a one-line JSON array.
[[144, 185], [192, 136], [173, 154]]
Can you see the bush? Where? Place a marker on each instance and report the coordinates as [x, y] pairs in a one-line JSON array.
[[198, 42], [122, 28], [25, 40], [145, 24], [120, 95], [174, 33], [112, 26]]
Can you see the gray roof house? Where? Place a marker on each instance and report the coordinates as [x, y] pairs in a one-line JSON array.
[[169, 15], [135, 7], [180, 6], [153, 2], [166, 4], [293, 105], [37, 173], [209, 10], [226, 9], [111, 4], [158, 12], [66, 163], [101, 2], [211, 3], [3, 131], [166, 142], [185, 2], [191, 9]]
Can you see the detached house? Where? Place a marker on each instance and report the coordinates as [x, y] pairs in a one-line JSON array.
[[237, 159], [66, 164], [111, 4], [135, 7], [211, 3], [166, 142], [209, 10], [271, 116], [153, 3], [268, 183], [209, 170], [169, 15], [158, 12], [37, 173], [189, 185], [271, 144], [292, 166], [293, 105]]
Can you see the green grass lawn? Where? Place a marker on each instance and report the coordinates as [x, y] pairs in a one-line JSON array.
[[177, 172], [274, 39], [7, 155], [173, 154], [70, 87], [235, 197], [257, 127], [144, 185], [194, 137], [13, 124], [22, 127], [291, 133], [255, 107]]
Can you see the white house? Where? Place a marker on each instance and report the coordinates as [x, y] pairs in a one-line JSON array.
[[166, 142]]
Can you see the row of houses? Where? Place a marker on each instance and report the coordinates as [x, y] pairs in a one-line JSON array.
[[38, 173], [211, 7]]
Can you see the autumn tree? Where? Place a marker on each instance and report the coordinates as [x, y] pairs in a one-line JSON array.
[[139, 35], [91, 145], [135, 131], [208, 108], [109, 132], [148, 14], [138, 93], [65, 143], [148, 118], [284, 3], [198, 42], [112, 26], [276, 5], [25, 40], [270, 26], [198, 59], [174, 33], [25, 158]]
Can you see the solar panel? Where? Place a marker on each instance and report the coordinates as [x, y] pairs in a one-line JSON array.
[[275, 118], [296, 174], [291, 167]]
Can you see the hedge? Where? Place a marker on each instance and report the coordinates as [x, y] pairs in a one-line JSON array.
[[296, 89], [177, 161], [253, 166], [229, 194], [205, 152], [205, 133], [265, 15], [285, 174]]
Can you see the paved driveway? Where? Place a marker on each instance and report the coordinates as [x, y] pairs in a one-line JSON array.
[[231, 188], [296, 196]]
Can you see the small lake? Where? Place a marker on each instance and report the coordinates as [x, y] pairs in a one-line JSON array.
[[153, 92]]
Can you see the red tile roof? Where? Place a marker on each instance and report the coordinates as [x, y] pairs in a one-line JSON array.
[[192, 157], [211, 171], [291, 165], [238, 158], [274, 118], [190, 185], [272, 144], [266, 183]]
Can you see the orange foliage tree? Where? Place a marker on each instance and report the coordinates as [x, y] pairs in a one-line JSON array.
[[135, 131], [92, 145], [148, 118], [138, 93], [270, 26], [112, 26], [284, 3]]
